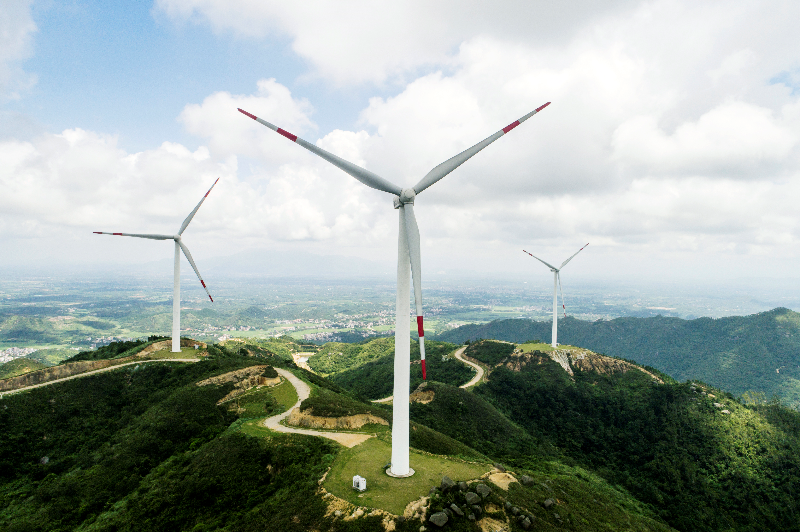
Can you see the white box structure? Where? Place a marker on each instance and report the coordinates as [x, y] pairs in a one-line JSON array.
[[359, 483]]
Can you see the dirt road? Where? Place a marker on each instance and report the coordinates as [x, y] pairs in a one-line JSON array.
[[96, 371], [348, 439], [475, 380], [478, 376]]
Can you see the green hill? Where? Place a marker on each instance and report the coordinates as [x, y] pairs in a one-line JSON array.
[[758, 353], [699, 457], [19, 366], [367, 369], [591, 442]]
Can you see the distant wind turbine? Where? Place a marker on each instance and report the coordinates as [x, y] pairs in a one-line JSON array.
[[408, 262], [557, 286], [176, 290]]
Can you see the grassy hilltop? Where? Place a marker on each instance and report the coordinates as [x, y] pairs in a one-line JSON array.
[[591, 443]]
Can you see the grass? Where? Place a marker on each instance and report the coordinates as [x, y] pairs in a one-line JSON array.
[[541, 346], [284, 394], [383, 491]]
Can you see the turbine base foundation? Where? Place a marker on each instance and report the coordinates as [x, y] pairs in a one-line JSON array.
[[410, 472]]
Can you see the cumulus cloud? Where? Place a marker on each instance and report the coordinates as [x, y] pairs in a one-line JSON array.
[[355, 41], [733, 139], [228, 132]]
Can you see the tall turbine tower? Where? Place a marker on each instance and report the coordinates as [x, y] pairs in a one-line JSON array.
[[176, 289], [408, 263], [557, 286]]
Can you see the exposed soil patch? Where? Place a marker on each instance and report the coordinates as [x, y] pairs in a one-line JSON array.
[[308, 420], [242, 379]]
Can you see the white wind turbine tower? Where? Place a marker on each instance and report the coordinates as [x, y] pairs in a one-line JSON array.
[[408, 262], [176, 290], [557, 286]]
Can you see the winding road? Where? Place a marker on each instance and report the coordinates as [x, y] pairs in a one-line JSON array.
[[478, 376], [348, 439], [458, 354]]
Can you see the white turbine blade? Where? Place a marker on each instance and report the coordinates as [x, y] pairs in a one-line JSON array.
[[194, 267], [188, 219], [152, 237], [563, 303], [412, 233], [569, 259], [454, 162], [365, 176], [540, 260]]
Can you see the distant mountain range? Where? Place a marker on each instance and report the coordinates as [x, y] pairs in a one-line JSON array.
[[756, 353]]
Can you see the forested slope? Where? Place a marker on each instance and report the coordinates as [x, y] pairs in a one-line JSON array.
[[758, 353]]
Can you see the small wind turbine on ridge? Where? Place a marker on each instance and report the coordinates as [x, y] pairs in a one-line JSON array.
[[408, 262], [557, 286], [176, 289]]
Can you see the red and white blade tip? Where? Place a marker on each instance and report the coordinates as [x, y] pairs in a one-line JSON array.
[[423, 370], [247, 114], [542, 107]]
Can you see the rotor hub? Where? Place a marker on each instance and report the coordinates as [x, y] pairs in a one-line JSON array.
[[406, 197]]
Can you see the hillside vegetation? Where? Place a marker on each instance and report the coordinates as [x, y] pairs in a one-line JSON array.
[[758, 353], [19, 366], [699, 457], [611, 446], [368, 369]]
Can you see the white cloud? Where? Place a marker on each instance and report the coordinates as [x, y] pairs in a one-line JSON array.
[[733, 139], [229, 132], [16, 33], [356, 41]]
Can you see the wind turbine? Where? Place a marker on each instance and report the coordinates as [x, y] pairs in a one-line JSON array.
[[408, 262], [176, 290], [557, 285]]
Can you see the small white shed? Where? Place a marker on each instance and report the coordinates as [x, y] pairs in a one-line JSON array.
[[359, 483]]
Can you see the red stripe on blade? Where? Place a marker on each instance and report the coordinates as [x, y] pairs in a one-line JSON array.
[[510, 126], [117, 234], [248, 114], [424, 377], [211, 298], [288, 135], [97, 232], [420, 329], [204, 284], [542, 107]]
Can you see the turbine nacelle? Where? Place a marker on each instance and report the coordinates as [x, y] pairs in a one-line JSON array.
[[405, 198]]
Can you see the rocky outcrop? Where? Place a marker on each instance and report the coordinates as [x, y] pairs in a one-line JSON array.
[[574, 358], [242, 379], [422, 395], [308, 420]]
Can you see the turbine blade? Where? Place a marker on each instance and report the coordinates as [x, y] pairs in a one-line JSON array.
[[365, 176], [194, 267], [188, 219], [454, 162], [412, 233], [569, 259], [543, 262], [563, 303], [151, 237]]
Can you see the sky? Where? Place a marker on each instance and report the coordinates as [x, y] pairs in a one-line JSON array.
[[672, 144]]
